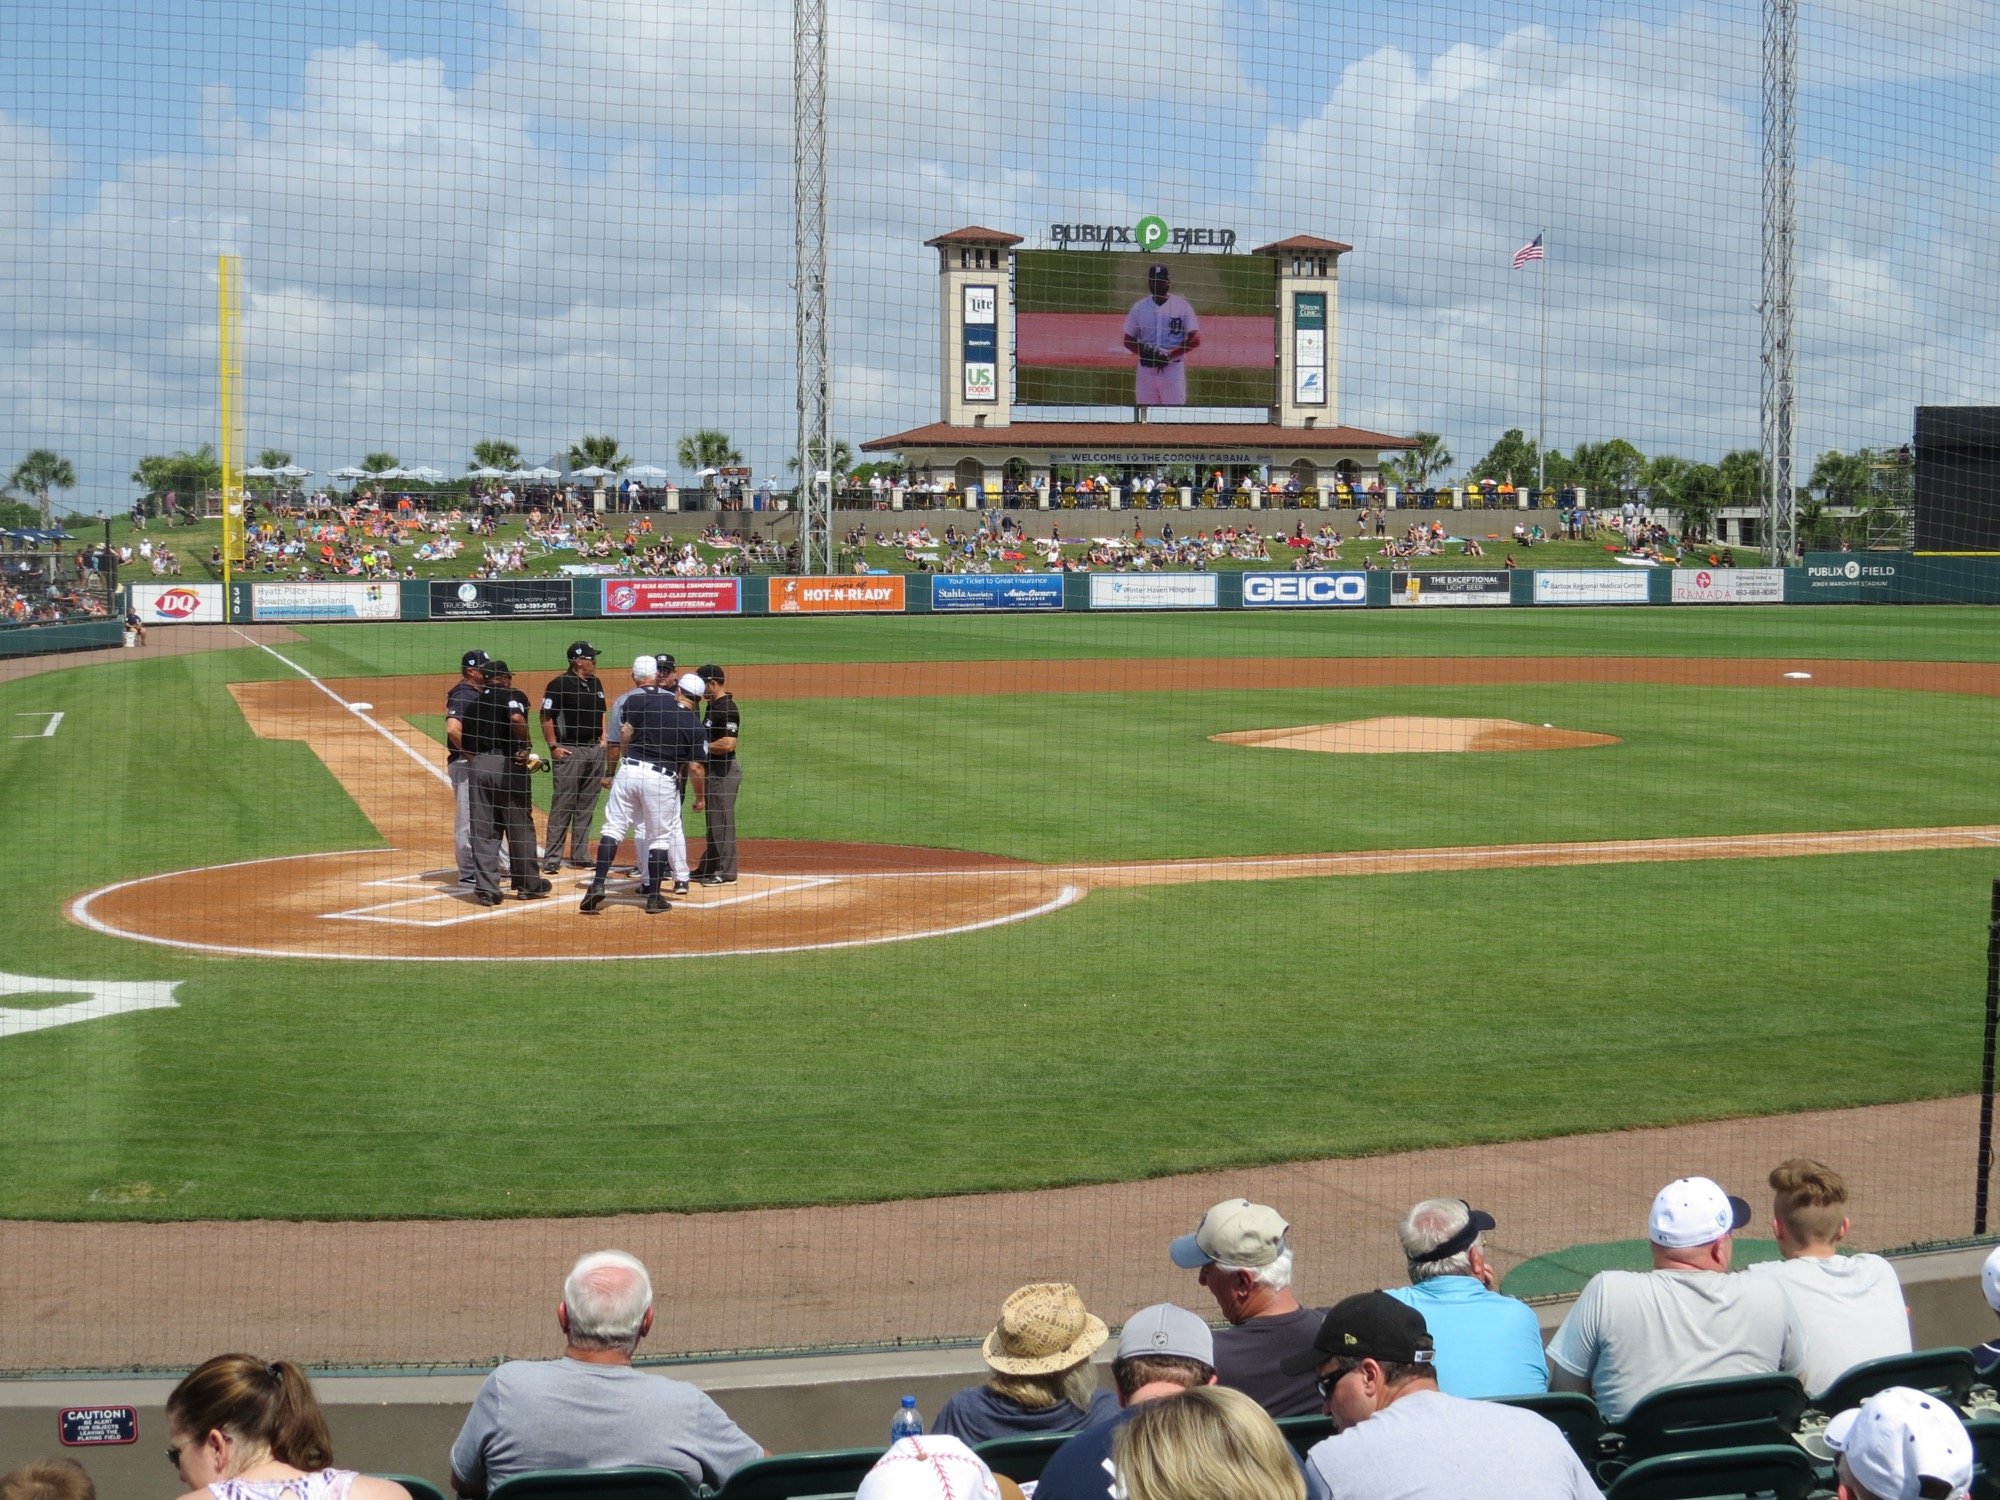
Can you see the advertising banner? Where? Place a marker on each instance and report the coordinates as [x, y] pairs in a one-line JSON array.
[[1729, 585], [1153, 591], [834, 596], [1838, 577], [496, 598], [1309, 349], [1304, 590], [1592, 586], [177, 603], [962, 592], [981, 361], [326, 601], [1429, 589], [673, 596]]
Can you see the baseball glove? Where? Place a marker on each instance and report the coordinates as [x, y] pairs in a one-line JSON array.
[[1152, 357]]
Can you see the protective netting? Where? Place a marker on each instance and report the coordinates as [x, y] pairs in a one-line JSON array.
[[1122, 831]]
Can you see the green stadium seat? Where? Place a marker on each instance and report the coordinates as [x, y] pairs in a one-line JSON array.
[[1574, 1414], [1303, 1432], [1940, 1372], [791, 1476], [1985, 1435], [1740, 1411], [597, 1484], [420, 1489], [1021, 1459], [1778, 1470]]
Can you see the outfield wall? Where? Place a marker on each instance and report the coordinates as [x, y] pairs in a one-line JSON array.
[[1824, 578]]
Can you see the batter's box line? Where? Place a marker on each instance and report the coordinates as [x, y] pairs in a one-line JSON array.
[[790, 886]]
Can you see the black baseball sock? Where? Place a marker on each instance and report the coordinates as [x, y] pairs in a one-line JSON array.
[[607, 850], [656, 869]]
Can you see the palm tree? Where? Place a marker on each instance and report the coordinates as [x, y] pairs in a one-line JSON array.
[[1427, 461], [1844, 477], [709, 448], [1742, 476], [598, 452], [41, 471], [378, 463], [273, 458], [494, 453], [843, 458]]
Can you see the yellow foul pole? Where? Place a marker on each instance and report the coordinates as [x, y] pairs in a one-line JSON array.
[[230, 382]]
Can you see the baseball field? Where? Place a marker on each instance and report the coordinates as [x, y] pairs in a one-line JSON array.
[[1027, 903]]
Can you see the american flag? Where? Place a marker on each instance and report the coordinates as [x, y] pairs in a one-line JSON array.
[[1530, 251]]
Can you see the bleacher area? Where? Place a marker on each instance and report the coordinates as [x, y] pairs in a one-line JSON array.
[[1752, 1436]]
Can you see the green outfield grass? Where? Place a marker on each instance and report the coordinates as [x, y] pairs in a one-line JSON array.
[[1039, 1052]]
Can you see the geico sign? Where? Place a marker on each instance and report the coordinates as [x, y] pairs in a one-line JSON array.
[[1305, 588]]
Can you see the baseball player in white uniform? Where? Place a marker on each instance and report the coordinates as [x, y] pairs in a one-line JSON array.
[[1162, 329], [660, 742]]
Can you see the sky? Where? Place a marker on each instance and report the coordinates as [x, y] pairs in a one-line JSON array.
[[533, 220]]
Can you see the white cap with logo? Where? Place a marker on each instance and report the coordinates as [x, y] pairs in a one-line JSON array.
[[1692, 1211], [1897, 1439]]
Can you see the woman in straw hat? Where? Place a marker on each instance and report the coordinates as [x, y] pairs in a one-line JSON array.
[[1043, 1380], [1206, 1444]]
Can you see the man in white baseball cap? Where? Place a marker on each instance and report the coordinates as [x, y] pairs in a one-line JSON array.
[[1901, 1444], [1245, 1259], [1633, 1332], [1986, 1358]]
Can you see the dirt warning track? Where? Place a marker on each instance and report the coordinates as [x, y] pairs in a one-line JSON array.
[[403, 904]]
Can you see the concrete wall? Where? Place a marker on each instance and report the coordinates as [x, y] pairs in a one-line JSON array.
[[406, 1423]]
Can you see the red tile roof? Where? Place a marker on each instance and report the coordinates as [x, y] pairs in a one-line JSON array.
[[1302, 242], [974, 235], [1175, 435]]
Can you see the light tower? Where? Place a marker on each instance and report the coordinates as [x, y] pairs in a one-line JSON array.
[[1779, 406], [815, 427]]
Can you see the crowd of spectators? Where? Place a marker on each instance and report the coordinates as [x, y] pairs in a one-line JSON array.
[[1401, 1373]]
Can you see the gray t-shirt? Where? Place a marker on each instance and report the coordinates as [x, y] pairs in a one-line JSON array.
[[1430, 1446], [568, 1414], [1247, 1355], [1633, 1332], [1850, 1306]]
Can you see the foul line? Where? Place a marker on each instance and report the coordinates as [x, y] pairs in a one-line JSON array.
[[415, 754], [48, 730]]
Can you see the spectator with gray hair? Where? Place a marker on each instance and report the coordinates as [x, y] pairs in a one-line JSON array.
[[1487, 1344], [591, 1409], [1245, 1261]]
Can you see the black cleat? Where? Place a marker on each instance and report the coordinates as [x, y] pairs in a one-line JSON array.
[[535, 892], [594, 897], [550, 866], [710, 880], [680, 887], [487, 898], [656, 903]]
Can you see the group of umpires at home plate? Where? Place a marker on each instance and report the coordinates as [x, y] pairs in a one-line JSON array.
[[667, 735]]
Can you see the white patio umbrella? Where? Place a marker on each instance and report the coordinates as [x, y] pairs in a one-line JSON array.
[[293, 471], [593, 471], [541, 471], [425, 473], [348, 473], [488, 472], [707, 473], [260, 472], [646, 471]]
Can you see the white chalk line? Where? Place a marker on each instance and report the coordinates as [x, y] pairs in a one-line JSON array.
[[426, 761], [781, 886], [48, 730]]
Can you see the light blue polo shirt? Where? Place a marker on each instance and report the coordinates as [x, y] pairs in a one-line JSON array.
[[1487, 1344]]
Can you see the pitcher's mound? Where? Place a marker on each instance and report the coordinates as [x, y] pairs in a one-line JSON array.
[[1409, 735]]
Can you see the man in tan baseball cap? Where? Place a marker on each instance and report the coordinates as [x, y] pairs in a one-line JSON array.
[[1245, 1261]]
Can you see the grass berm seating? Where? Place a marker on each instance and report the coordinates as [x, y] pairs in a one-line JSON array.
[[1776, 1470], [597, 1484], [837, 1471]]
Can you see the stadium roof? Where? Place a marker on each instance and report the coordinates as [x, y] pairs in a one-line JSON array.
[[1179, 436], [975, 235], [1310, 242]]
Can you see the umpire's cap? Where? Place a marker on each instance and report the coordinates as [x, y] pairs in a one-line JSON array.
[[474, 660], [710, 674], [665, 661], [494, 667], [578, 650]]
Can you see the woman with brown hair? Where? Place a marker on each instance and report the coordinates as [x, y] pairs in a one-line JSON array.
[[241, 1428], [1043, 1380]]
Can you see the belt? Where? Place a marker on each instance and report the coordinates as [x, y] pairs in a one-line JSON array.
[[651, 765]]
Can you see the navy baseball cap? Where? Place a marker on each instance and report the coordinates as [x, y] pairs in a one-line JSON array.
[[473, 659], [578, 650], [494, 667], [1157, 268], [665, 659], [710, 674]]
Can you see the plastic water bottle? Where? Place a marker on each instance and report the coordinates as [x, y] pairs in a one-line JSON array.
[[906, 1422]]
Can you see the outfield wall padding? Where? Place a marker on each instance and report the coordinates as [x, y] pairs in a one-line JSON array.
[[47, 640]]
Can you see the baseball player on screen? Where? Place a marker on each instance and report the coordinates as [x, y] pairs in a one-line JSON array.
[[1162, 329]]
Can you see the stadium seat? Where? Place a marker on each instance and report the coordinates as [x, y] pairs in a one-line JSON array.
[[1574, 1413], [596, 1484], [1303, 1432], [790, 1475], [1746, 1409], [1776, 1470], [1985, 1435], [1941, 1372], [1021, 1458], [420, 1489]]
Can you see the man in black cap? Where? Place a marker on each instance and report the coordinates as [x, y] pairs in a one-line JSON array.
[[573, 725], [1396, 1433], [1162, 329], [725, 778], [493, 731], [457, 764]]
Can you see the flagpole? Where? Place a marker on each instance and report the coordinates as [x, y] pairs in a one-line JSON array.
[[1542, 420]]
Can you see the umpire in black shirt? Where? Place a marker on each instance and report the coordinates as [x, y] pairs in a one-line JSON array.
[[573, 724], [493, 730], [458, 764], [722, 721]]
